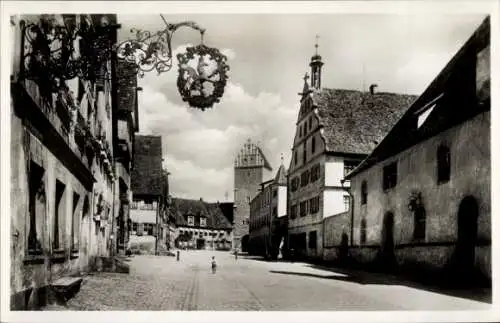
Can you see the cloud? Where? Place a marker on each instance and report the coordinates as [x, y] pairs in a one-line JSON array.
[[230, 53], [199, 147]]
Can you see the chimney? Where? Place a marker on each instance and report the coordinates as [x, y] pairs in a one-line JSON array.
[[372, 88]]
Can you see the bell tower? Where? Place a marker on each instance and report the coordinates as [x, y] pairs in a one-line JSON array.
[[316, 65], [249, 167]]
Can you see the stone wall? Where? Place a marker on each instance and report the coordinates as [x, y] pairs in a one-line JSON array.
[[246, 184], [469, 145]]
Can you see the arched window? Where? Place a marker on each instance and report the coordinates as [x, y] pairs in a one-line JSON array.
[[364, 192], [443, 164], [313, 145], [362, 232], [310, 123]]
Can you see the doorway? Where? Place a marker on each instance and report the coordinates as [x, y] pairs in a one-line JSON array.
[[244, 243], [387, 246], [200, 244], [468, 213]]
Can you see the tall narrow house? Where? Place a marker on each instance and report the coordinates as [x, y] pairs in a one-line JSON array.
[[250, 166], [336, 129]]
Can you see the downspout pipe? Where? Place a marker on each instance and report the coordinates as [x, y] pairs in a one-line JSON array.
[[351, 209]]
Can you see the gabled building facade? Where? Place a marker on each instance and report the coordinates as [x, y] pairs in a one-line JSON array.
[[422, 197], [147, 188], [200, 225], [267, 213], [250, 167], [336, 129]]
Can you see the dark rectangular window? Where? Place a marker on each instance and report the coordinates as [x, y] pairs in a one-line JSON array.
[[315, 173], [364, 192], [314, 205], [59, 211], [443, 164], [313, 145], [293, 212], [75, 225], [296, 158], [294, 184], [275, 211], [390, 176], [303, 208], [304, 156], [36, 207], [312, 240], [304, 178], [275, 193]]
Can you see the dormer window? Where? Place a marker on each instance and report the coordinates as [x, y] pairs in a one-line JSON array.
[[203, 221], [424, 115], [190, 220]]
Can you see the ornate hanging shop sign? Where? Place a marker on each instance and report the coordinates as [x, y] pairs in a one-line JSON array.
[[61, 48], [202, 76]]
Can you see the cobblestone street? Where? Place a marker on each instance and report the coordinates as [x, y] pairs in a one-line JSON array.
[[162, 283]]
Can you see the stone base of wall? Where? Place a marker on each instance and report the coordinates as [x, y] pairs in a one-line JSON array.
[[28, 299], [427, 263], [109, 264], [483, 260]]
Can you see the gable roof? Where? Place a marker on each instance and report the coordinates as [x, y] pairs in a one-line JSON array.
[[181, 208], [146, 176], [355, 121], [454, 94]]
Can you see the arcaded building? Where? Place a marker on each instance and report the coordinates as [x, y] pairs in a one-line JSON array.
[[423, 196], [200, 225]]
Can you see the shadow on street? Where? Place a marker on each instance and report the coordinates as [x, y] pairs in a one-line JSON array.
[[368, 278]]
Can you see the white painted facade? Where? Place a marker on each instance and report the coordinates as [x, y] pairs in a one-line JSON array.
[[282, 199]]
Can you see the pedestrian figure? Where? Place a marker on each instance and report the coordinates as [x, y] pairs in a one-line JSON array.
[[178, 255], [214, 265], [236, 254]]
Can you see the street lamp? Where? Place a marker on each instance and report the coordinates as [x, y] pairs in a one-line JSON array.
[[80, 45]]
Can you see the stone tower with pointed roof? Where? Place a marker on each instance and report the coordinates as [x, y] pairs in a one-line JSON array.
[[249, 167]]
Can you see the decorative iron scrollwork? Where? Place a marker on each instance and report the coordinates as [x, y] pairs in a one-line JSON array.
[[55, 51], [204, 85], [152, 51]]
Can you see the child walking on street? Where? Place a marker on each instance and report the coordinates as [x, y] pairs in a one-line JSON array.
[[214, 265]]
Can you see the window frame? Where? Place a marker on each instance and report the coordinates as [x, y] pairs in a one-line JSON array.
[[443, 166], [36, 186], [390, 176], [347, 202], [364, 192]]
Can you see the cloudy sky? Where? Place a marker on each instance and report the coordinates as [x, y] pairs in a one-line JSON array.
[[268, 55]]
